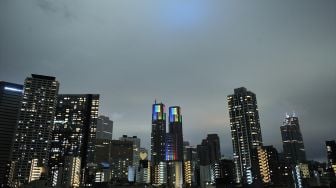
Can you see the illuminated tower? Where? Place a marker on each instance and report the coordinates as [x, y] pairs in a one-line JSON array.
[[174, 148], [73, 138], [246, 134], [32, 139], [10, 99], [293, 147], [158, 138], [175, 130]]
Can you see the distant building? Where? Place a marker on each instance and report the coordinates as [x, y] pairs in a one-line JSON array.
[[10, 101], [102, 160], [227, 178], [174, 148], [31, 144], [136, 151], [104, 128], [331, 154], [268, 165], [73, 137], [246, 134], [158, 144], [293, 147], [120, 159]]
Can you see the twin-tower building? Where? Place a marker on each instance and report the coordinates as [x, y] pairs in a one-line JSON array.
[[167, 147]]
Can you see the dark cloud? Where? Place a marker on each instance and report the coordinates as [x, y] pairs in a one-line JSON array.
[[191, 54]]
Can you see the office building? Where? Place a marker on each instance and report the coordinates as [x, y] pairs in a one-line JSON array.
[[136, 151], [104, 128], [121, 158], [293, 147], [10, 101], [73, 137], [246, 134], [34, 130]]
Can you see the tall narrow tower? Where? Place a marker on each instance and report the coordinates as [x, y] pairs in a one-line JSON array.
[[175, 130], [174, 148], [32, 140], [158, 138], [293, 147], [10, 99], [246, 134]]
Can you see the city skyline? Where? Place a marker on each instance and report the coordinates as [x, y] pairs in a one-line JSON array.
[[288, 61]]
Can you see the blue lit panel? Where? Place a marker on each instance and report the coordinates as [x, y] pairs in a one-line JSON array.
[[13, 89]]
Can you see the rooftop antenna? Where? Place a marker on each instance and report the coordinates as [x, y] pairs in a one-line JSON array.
[[155, 101]]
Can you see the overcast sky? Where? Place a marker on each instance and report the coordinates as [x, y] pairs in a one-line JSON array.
[[187, 53]]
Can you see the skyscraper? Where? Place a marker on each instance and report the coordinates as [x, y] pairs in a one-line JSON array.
[[174, 148], [73, 136], [104, 128], [158, 145], [10, 100], [32, 139], [213, 143], [158, 135], [175, 129], [293, 147], [246, 134], [331, 154]]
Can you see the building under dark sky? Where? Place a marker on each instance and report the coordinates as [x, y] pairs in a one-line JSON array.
[[158, 135], [331, 154], [31, 145], [158, 143], [10, 100], [73, 135], [293, 147], [175, 130], [245, 132], [104, 128]]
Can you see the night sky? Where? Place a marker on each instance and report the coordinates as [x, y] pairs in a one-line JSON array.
[[187, 53]]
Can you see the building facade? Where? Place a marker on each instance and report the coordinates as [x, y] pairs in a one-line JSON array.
[[104, 128], [73, 137], [246, 134], [331, 154], [34, 130], [158, 144], [10, 101], [293, 147]]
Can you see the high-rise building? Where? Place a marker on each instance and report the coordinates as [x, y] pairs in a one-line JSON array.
[[136, 151], [73, 137], [174, 148], [104, 128], [331, 154], [32, 139], [121, 159], [158, 144], [293, 147], [246, 134], [10, 100], [175, 130], [212, 141], [268, 160]]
